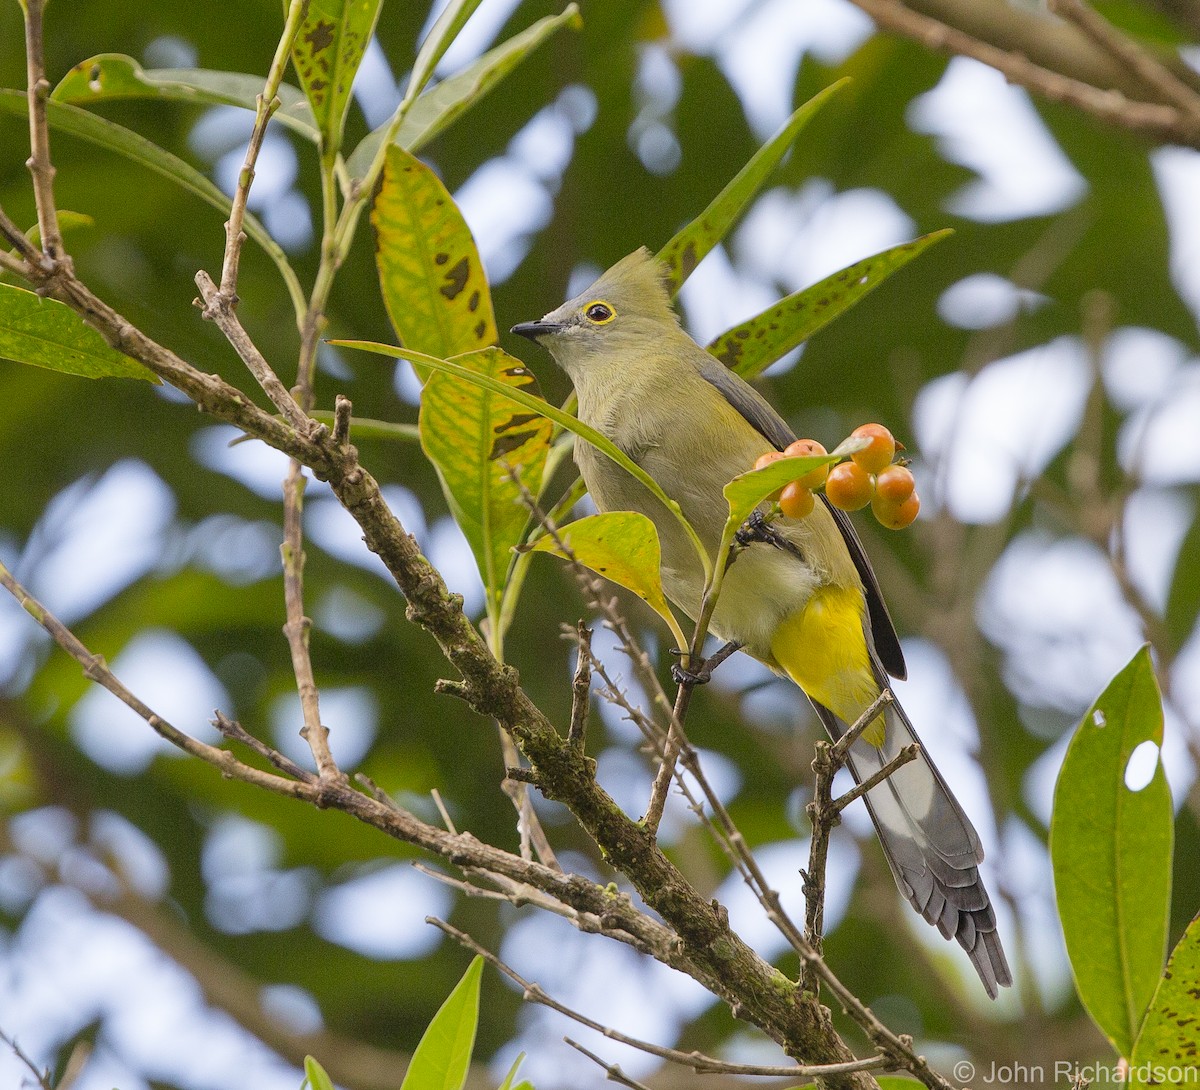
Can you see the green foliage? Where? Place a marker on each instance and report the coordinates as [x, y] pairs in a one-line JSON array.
[[1165, 1053], [327, 50], [750, 347], [47, 333], [1111, 850], [113, 137], [443, 1054], [430, 274], [110, 76], [692, 242], [478, 441], [152, 235], [623, 547], [315, 1077]]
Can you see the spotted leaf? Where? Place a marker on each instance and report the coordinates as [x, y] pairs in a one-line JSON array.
[[476, 437], [327, 51], [758, 342], [430, 274]]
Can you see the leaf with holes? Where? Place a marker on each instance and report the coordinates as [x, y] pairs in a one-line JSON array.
[[623, 547], [1172, 1025], [1111, 851], [693, 241], [327, 51], [108, 76], [758, 342], [474, 437], [47, 333], [443, 1055], [430, 274]]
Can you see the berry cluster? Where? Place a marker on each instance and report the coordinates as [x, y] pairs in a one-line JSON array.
[[869, 477]]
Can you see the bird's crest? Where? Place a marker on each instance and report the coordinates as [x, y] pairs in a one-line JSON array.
[[636, 285]]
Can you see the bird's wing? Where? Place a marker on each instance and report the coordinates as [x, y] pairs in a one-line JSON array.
[[758, 412]]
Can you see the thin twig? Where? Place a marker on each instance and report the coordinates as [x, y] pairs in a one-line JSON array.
[[218, 308], [840, 749], [96, 669], [1149, 69], [20, 242], [342, 411], [298, 626], [907, 754], [41, 169], [697, 1061], [266, 104], [43, 1077], [612, 1072], [581, 686]]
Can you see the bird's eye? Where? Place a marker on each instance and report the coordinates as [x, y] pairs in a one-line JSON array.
[[599, 312]]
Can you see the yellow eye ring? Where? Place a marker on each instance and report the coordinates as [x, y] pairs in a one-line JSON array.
[[598, 312]]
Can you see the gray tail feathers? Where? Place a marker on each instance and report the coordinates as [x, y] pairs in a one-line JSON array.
[[930, 844]]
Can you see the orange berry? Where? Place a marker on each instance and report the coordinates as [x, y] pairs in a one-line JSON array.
[[764, 460], [796, 500], [896, 516], [894, 485], [848, 487], [879, 454], [814, 478]]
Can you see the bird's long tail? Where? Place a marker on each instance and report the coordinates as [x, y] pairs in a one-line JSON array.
[[930, 844]]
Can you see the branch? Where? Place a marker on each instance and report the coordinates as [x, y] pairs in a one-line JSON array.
[[219, 309], [1160, 122], [41, 170], [697, 1061], [265, 106], [1154, 76]]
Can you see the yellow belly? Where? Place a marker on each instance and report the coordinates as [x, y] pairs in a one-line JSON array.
[[823, 649]]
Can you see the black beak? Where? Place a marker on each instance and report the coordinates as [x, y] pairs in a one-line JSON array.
[[534, 330]]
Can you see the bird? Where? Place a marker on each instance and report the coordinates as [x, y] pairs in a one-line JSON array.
[[802, 599]]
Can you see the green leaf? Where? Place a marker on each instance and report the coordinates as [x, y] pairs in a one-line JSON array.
[[326, 52], [108, 134], [430, 274], [623, 547], [508, 1084], [1111, 851], [108, 76], [443, 1055], [315, 1076], [692, 243], [438, 108], [437, 41], [754, 345], [563, 419], [473, 436], [1164, 1055], [1183, 599], [47, 333]]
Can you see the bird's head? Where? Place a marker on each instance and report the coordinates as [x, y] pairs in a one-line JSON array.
[[622, 316]]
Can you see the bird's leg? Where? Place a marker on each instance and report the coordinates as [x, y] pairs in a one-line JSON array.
[[758, 528], [703, 675]]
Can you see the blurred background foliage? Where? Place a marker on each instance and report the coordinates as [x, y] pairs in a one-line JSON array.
[[1029, 363]]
